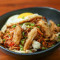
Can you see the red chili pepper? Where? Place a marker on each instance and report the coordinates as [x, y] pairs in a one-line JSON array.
[[11, 44]]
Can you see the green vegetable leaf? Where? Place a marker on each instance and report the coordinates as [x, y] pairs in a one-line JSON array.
[[23, 33], [21, 47], [25, 37], [9, 35], [32, 24], [43, 48], [59, 37], [23, 17], [22, 41], [38, 26], [4, 40], [52, 45], [58, 25], [14, 26]]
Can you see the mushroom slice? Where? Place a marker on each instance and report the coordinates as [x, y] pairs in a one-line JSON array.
[[31, 35], [44, 28], [17, 35], [54, 27]]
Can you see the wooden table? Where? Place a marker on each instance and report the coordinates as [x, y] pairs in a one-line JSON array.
[[9, 5]]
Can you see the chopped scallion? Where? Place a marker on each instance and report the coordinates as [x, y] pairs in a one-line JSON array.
[[38, 26], [21, 47], [43, 48], [32, 24], [9, 35], [58, 25], [14, 26], [22, 41], [23, 33], [4, 40], [23, 17]]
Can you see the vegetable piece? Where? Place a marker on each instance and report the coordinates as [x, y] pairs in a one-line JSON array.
[[43, 48], [3, 40], [9, 35], [23, 17], [59, 37], [23, 33], [53, 45], [32, 24], [14, 26], [58, 25], [21, 47], [22, 41], [38, 26]]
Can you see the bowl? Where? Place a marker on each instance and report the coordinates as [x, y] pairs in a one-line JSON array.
[[49, 13]]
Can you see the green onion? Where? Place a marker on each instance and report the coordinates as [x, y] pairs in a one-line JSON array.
[[14, 26], [32, 24], [59, 37], [43, 48], [27, 23], [23, 17], [23, 33], [58, 25], [58, 40], [30, 27], [7, 31], [22, 41], [4, 40], [52, 45], [9, 35], [25, 37], [38, 26], [21, 47], [21, 24]]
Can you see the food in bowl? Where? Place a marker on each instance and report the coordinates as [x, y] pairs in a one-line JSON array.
[[28, 33]]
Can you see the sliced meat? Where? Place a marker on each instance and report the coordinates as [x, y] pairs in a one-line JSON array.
[[54, 27], [17, 35], [44, 28], [31, 36]]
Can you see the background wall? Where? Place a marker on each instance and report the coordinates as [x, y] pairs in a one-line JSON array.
[[9, 5]]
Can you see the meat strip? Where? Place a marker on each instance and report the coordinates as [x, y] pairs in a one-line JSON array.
[[31, 35]]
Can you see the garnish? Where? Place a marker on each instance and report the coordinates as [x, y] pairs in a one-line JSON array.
[[38, 26], [9, 35], [43, 48], [23, 33], [23, 17], [22, 41], [14, 26], [3, 40], [32, 24], [58, 25], [21, 47]]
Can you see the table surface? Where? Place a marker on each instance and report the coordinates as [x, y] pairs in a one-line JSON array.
[[10, 5]]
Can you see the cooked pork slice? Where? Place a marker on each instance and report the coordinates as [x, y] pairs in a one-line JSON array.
[[54, 27], [54, 37], [17, 35], [44, 28], [31, 36]]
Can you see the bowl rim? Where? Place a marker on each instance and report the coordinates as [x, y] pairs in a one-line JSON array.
[[35, 53]]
